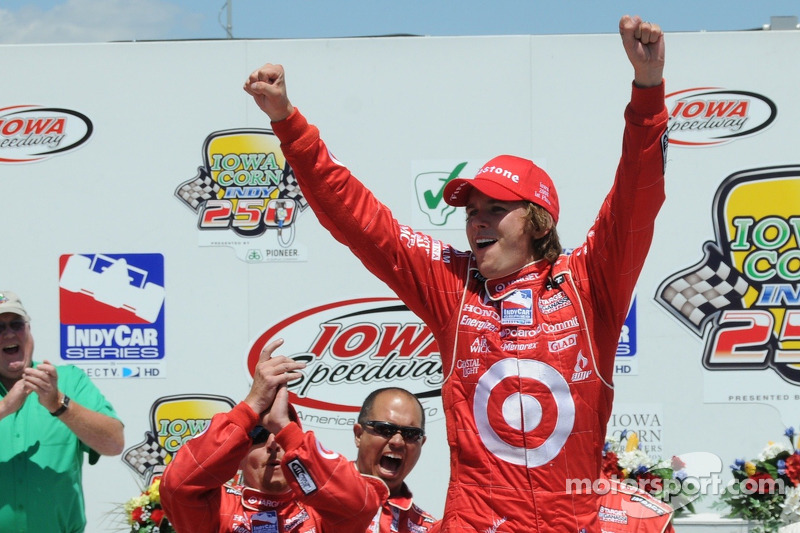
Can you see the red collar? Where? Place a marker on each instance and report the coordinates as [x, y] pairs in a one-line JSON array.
[[499, 288]]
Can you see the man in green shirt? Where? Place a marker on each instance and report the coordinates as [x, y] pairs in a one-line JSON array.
[[49, 417]]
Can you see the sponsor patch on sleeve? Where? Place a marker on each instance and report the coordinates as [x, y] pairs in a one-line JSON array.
[[302, 476]]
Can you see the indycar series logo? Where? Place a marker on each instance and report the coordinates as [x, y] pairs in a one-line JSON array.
[[31, 133], [744, 295], [112, 314], [357, 346], [245, 196]]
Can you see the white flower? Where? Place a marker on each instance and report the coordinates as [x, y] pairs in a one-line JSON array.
[[774, 449], [632, 460], [791, 506], [663, 463], [613, 444]]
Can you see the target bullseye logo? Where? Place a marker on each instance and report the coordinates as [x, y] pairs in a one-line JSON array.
[[524, 412]]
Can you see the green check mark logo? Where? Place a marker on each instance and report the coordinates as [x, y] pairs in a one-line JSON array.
[[431, 199]]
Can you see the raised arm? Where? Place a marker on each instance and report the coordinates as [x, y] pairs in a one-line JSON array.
[[346, 500], [192, 481], [621, 236], [425, 273], [644, 45], [267, 86]]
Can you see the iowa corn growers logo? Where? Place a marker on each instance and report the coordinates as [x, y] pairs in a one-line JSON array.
[[743, 297]]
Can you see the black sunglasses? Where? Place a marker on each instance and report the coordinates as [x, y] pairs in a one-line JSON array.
[[388, 430], [15, 325], [259, 435]]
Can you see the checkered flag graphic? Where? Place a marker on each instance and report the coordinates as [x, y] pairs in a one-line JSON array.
[[197, 190], [148, 458], [289, 188], [698, 293]]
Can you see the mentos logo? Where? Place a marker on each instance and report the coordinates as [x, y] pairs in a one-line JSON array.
[[357, 346], [112, 309], [33, 133], [709, 116]]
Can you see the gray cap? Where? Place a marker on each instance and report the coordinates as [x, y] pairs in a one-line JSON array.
[[10, 303]]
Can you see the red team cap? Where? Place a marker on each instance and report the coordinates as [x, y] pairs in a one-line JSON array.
[[510, 179]]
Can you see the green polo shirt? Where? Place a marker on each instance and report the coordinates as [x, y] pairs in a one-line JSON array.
[[41, 461]]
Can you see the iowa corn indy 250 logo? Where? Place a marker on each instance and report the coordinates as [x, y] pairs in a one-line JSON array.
[[744, 295], [173, 421], [244, 185]]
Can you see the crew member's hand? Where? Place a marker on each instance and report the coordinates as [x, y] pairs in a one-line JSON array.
[[644, 45], [43, 380], [278, 416], [267, 86], [12, 401], [269, 375]]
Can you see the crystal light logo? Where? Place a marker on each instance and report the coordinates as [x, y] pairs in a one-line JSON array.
[[356, 346], [31, 133], [744, 294], [709, 116]]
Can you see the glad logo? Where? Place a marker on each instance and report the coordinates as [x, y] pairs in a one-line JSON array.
[[709, 116], [563, 344]]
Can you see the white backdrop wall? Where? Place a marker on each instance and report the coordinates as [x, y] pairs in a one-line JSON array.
[[395, 110]]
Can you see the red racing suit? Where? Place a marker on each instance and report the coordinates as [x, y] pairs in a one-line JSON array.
[[627, 509], [327, 492], [527, 359], [399, 514]]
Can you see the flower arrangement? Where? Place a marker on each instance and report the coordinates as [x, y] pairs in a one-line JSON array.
[[144, 512], [624, 460], [766, 489]]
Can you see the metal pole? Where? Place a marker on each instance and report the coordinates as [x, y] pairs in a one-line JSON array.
[[230, 19]]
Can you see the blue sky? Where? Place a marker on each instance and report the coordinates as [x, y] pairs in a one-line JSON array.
[[53, 21]]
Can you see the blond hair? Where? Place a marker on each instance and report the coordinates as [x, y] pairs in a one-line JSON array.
[[547, 247]]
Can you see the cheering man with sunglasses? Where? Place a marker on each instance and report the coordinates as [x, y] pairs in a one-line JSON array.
[[288, 481], [389, 436], [49, 418]]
